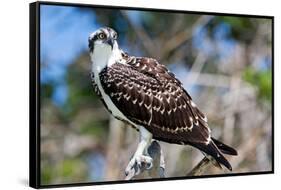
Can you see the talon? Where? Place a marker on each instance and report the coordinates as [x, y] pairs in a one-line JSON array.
[[149, 166], [137, 163], [130, 167], [137, 169]]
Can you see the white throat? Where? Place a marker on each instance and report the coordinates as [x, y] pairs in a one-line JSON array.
[[103, 56]]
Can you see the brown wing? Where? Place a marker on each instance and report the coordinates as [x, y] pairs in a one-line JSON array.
[[150, 96]]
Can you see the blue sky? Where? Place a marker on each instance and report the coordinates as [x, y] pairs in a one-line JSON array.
[[64, 35]]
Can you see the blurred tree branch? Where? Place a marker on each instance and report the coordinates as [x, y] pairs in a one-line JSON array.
[[146, 41], [184, 35], [114, 147]]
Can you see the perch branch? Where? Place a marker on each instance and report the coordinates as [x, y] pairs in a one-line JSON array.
[[158, 169], [200, 167]]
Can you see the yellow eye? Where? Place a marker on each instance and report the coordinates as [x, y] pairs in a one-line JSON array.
[[101, 36]]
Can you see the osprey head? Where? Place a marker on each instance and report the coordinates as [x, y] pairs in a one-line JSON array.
[[104, 37]]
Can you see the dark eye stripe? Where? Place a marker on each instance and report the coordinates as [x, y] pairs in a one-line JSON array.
[[94, 38]]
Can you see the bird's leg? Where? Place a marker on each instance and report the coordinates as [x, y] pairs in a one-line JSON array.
[[141, 156]]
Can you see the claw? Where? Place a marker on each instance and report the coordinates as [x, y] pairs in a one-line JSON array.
[[138, 163], [149, 166]]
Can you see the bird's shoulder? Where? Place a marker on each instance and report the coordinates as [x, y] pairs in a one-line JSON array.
[[151, 67], [144, 82]]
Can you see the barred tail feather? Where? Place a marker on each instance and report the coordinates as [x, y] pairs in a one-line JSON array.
[[212, 150], [225, 149]]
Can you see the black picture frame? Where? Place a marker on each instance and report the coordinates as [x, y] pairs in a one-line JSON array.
[[34, 93]]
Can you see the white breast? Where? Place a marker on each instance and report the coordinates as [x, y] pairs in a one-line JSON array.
[[101, 58]]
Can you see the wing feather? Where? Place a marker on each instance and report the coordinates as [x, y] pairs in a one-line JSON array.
[[149, 95]]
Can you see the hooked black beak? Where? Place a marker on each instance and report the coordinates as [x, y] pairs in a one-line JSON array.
[[110, 42]]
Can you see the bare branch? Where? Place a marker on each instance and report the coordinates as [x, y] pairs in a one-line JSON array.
[[206, 79], [116, 129], [142, 35], [158, 169], [200, 167], [183, 36]]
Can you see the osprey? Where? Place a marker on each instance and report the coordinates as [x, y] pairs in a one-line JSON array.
[[144, 94]]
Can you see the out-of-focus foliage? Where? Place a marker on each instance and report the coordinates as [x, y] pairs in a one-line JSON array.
[[262, 80], [224, 62]]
